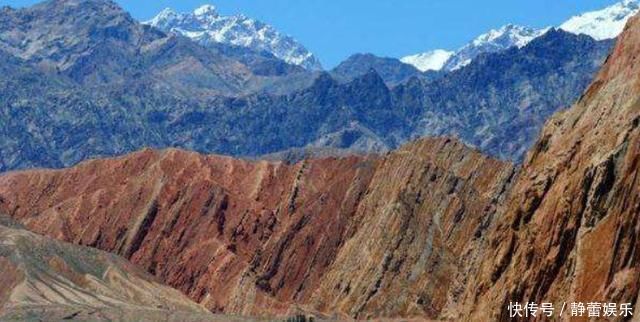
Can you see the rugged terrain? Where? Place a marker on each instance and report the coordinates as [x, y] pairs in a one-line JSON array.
[[569, 230], [329, 235], [391, 70], [114, 86], [47, 279], [432, 230]]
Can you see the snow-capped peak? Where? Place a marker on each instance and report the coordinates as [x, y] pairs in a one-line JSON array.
[[509, 35], [603, 24], [431, 60], [493, 41], [206, 26], [166, 14]]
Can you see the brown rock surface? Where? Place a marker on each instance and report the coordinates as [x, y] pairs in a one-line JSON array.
[[570, 228], [339, 236]]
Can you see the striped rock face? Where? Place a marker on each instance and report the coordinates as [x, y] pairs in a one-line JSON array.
[[569, 230], [356, 236]]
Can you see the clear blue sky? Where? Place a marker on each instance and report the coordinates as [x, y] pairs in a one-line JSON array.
[[335, 29]]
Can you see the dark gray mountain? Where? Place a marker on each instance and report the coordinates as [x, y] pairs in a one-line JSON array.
[[113, 86], [500, 101], [392, 70]]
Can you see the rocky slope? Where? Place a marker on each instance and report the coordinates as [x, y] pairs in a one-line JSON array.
[[207, 27], [99, 46], [499, 102], [96, 44], [335, 237], [500, 113], [569, 231], [433, 229], [47, 279]]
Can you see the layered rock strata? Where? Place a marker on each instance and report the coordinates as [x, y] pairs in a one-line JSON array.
[[355, 236]]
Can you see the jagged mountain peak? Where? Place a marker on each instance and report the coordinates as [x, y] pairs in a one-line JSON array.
[[505, 37], [206, 26], [601, 24], [97, 5], [510, 35], [494, 40], [44, 32]]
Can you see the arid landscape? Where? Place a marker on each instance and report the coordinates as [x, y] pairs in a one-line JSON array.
[[430, 230]]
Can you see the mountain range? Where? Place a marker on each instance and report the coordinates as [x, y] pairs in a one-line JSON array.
[[433, 230], [114, 86], [425, 228], [601, 24]]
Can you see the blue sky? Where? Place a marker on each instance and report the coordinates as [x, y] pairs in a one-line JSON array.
[[335, 29]]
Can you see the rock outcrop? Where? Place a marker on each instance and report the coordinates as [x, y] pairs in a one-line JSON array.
[[569, 229], [352, 236], [51, 280]]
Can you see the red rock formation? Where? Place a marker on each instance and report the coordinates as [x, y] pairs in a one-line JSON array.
[[431, 230], [340, 236], [570, 227]]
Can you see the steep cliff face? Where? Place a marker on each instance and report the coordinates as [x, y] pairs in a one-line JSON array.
[[424, 216], [569, 230], [351, 236]]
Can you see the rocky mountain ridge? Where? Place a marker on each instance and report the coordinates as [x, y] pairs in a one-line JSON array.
[[494, 40], [271, 239], [62, 105], [601, 24], [569, 228]]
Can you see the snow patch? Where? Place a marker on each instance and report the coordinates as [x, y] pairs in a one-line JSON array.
[[603, 24], [431, 60]]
